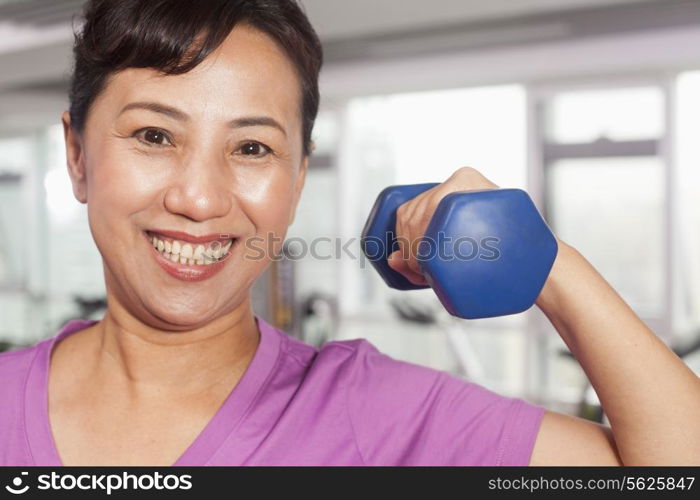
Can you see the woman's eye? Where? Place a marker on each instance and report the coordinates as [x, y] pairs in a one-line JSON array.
[[254, 150], [153, 137]]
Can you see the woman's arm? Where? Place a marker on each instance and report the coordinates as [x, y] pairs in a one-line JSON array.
[[650, 396]]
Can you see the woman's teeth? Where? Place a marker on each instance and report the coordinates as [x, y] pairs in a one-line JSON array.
[[186, 253]]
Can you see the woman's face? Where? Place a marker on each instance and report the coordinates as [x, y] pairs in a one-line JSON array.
[[195, 161]]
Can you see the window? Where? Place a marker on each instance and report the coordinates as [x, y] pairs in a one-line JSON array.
[[16, 160], [612, 210], [623, 114], [605, 184], [687, 185], [606, 188]]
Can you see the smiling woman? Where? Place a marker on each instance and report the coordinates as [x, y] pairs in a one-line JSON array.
[[188, 136]]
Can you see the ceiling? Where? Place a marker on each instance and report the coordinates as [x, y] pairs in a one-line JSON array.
[[38, 12], [29, 23], [342, 19]]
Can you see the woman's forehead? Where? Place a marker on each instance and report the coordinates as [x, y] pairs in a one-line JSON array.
[[247, 73]]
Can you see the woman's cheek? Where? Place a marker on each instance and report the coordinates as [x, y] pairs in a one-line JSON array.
[[269, 194], [124, 178], [268, 204]]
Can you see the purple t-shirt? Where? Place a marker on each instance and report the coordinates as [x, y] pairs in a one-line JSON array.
[[344, 403]]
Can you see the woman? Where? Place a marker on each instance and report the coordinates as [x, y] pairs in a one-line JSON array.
[[189, 135]]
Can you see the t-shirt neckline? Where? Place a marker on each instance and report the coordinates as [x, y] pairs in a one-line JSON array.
[[201, 450]]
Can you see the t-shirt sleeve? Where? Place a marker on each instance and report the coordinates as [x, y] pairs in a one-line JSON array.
[[407, 414]]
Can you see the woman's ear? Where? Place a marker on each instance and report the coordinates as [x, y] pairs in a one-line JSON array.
[[74, 159], [301, 178]]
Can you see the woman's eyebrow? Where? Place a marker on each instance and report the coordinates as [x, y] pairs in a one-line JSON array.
[[176, 114]]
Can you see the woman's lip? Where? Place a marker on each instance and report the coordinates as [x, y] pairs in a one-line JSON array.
[[186, 272], [190, 238]]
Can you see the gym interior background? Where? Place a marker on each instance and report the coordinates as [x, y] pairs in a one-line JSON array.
[[592, 106]]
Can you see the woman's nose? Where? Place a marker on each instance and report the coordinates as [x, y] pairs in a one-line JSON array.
[[199, 192]]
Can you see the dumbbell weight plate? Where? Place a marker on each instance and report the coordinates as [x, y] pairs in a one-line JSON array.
[[378, 239]]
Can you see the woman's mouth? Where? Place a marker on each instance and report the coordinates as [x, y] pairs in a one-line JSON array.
[[190, 258], [193, 254]]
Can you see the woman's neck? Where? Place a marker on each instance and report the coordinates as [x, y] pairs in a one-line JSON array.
[[148, 362]]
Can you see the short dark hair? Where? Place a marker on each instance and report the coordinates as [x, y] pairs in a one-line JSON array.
[[174, 36]]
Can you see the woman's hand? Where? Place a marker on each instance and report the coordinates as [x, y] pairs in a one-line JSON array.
[[413, 217]]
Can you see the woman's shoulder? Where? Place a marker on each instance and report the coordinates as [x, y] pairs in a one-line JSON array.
[[357, 359], [390, 400], [373, 378]]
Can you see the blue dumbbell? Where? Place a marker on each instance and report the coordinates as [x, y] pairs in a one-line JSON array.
[[485, 253]]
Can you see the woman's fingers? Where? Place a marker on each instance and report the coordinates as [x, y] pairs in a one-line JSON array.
[[413, 218], [399, 264]]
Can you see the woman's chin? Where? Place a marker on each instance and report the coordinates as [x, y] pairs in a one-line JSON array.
[[181, 316]]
